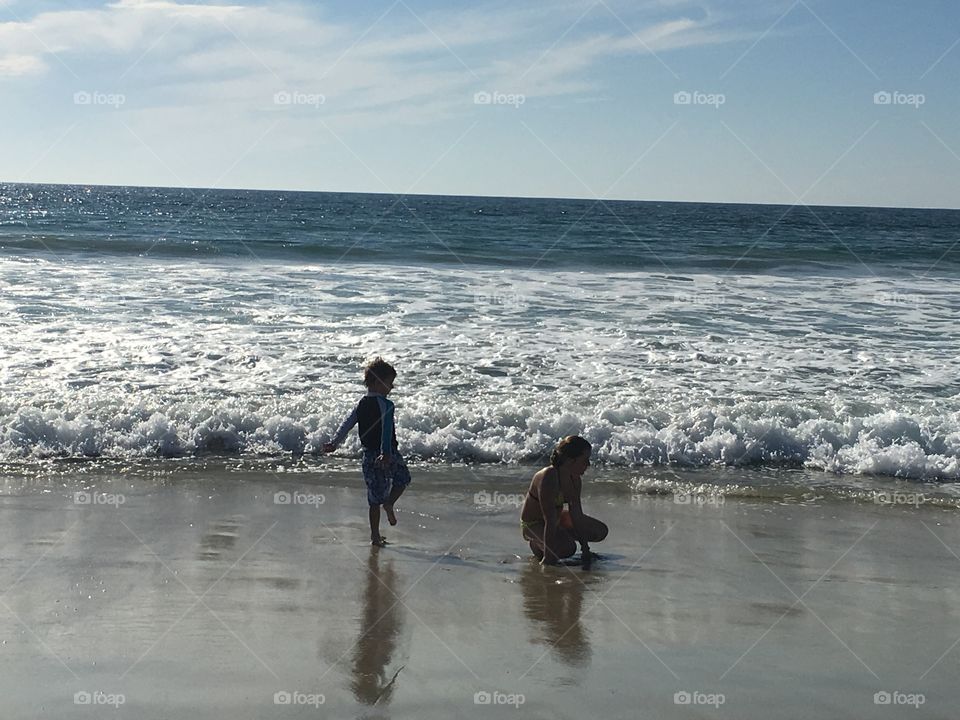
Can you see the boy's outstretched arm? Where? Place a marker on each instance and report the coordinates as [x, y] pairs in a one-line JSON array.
[[345, 427]]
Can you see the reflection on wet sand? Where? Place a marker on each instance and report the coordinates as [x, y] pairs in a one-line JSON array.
[[380, 624], [553, 602], [221, 536]]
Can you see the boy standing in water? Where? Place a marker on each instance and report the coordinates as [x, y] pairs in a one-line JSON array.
[[384, 469]]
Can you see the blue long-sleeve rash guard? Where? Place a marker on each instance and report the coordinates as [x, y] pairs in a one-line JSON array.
[[374, 415]]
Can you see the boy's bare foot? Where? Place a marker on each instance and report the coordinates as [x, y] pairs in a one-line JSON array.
[[391, 516], [379, 541]]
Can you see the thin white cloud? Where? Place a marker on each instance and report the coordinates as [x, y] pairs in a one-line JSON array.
[[178, 9], [18, 65]]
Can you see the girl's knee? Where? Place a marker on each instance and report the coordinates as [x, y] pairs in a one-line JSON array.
[[595, 530], [600, 532]]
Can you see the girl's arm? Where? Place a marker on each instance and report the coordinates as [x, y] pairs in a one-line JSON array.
[[576, 516], [547, 493]]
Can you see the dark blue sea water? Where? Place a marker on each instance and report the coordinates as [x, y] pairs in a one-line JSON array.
[[473, 231]]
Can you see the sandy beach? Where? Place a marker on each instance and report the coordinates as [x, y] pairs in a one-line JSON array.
[[203, 593]]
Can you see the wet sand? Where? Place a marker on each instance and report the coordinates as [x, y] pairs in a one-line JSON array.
[[202, 595]]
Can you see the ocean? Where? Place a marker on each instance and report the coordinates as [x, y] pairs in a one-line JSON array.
[[758, 343]]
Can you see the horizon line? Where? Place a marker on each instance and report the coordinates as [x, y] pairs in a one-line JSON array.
[[491, 197]]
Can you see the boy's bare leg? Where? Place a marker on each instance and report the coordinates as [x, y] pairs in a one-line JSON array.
[[375, 537], [388, 505]]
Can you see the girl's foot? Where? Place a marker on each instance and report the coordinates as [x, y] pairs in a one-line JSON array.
[[391, 516]]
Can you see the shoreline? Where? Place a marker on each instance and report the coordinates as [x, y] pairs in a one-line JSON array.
[[702, 485]]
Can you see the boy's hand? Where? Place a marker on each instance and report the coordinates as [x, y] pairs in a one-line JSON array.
[[329, 447], [384, 460]]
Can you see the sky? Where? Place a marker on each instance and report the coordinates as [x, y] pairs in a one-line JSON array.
[[821, 102]]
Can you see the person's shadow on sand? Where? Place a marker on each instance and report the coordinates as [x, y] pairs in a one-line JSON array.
[[554, 610], [380, 624]]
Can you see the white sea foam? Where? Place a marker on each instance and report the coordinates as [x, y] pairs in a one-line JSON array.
[[146, 357]]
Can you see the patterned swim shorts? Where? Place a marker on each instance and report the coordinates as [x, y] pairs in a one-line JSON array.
[[380, 481]]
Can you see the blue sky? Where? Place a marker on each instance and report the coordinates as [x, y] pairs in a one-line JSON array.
[[726, 101]]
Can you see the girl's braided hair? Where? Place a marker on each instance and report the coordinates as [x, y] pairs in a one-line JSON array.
[[570, 448]]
